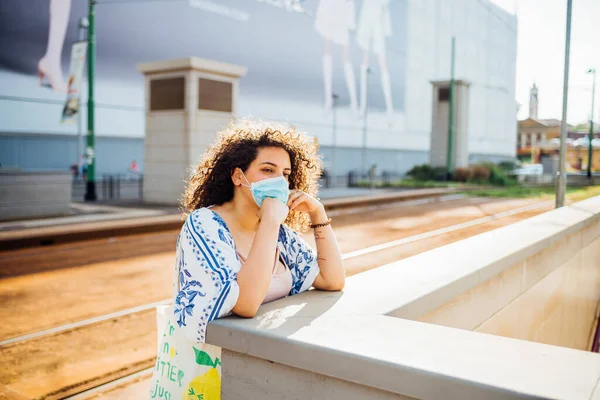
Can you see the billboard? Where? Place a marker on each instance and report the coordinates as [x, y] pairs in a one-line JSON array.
[[72, 106], [343, 54]]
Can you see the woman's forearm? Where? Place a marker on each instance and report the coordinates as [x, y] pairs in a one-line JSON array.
[[332, 275], [254, 277]]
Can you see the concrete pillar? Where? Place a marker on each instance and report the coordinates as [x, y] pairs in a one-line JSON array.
[[439, 129], [187, 101]]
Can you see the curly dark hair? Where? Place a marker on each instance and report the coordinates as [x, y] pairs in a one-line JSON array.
[[237, 146]]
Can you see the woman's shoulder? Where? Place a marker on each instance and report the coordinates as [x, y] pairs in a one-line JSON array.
[[206, 217], [200, 213], [208, 224]]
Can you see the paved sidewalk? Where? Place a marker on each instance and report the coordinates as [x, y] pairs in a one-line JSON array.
[[83, 213]]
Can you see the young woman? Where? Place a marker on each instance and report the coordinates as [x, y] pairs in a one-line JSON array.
[[234, 248], [239, 247]]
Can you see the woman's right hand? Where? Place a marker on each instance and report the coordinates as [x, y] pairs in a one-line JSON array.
[[273, 210]]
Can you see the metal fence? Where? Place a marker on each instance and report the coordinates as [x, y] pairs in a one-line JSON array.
[[112, 187], [115, 187], [357, 179]]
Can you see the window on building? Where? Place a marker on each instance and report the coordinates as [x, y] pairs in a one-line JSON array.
[[539, 138], [528, 140], [215, 95], [167, 94], [444, 94]]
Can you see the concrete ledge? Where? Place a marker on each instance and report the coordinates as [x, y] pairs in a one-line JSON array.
[[354, 336], [411, 358], [470, 262]]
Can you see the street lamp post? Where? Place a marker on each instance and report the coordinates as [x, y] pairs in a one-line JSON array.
[[561, 183], [333, 133], [83, 25], [365, 127], [450, 150], [90, 154], [591, 136]]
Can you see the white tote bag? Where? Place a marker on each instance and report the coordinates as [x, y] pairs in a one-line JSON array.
[[184, 369]]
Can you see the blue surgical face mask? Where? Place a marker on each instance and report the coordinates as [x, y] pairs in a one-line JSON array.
[[277, 188]]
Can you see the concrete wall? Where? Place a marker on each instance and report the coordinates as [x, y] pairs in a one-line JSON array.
[[252, 378], [550, 297], [34, 194], [368, 337]]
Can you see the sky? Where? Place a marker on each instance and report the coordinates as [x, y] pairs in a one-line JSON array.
[[540, 56]]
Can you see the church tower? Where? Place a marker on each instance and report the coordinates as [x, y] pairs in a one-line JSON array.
[[533, 102]]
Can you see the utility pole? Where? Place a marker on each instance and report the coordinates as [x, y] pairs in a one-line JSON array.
[[451, 116], [83, 25], [365, 128], [561, 182], [333, 133], [591, 136], [90, 189]]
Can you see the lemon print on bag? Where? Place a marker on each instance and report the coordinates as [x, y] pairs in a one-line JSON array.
[[208, 385]]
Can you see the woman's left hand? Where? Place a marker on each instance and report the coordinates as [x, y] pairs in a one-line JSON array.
[[303, 202]]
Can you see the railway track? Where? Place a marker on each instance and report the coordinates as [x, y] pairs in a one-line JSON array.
[[92, 245]]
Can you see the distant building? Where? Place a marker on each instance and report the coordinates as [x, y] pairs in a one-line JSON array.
[[583, 131], [540, 138], [537, 133], [543, 135]]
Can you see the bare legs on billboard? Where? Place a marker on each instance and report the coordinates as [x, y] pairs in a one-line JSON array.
[[348, 74], [334, 20], [374, 25], [49, 66], [350, 79]]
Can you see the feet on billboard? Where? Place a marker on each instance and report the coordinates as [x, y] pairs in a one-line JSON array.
[[52, 74]]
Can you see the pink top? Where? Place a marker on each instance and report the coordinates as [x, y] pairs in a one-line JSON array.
[[281, 284]]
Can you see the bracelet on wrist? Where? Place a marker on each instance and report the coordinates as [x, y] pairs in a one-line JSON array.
[[313, 226]]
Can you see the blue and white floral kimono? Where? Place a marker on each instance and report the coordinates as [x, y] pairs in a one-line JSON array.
[[207, 265], [205, 288]]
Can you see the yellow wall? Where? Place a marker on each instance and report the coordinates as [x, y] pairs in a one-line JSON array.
[[573, 155], [552, 133], [556, 305]]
